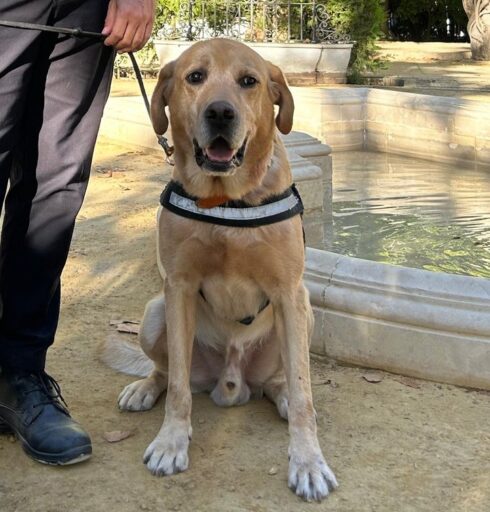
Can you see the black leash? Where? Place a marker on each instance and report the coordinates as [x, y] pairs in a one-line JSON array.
[[73, 32], [78, 32], [169, 150]]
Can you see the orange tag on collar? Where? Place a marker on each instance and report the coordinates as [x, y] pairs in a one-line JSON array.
[[211, 202]]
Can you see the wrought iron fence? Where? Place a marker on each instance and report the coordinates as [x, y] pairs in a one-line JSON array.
[[250, 20]]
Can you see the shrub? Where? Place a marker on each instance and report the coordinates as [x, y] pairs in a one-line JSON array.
[[363, 21]]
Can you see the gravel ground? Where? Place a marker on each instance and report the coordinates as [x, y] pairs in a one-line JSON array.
[[395, 445]]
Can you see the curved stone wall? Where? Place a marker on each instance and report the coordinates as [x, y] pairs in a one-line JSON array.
[[420, 323]]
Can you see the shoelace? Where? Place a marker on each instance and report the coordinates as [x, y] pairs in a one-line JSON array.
[[47, 385]]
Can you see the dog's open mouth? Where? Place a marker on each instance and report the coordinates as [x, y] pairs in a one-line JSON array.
[[219, 155]]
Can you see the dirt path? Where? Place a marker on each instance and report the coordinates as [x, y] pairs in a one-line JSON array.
[[396, 446]]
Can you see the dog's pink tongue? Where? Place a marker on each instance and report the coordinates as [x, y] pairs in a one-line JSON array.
[[219, 151]]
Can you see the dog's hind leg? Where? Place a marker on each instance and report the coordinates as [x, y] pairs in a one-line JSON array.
[[142, 394]]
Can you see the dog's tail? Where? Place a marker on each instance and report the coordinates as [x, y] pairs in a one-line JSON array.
[[125, 357]]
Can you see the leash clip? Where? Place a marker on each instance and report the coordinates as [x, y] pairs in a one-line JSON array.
[[169, 150]]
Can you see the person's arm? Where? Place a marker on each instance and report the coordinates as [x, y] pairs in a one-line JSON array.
[[128, 24]]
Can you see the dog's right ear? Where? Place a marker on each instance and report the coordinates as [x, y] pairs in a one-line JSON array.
[[159, 98]]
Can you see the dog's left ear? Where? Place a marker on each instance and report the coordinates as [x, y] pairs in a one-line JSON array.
[[160, 97], [282, 96]]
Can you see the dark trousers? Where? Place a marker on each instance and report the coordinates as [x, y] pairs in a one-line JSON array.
[[52, 93]]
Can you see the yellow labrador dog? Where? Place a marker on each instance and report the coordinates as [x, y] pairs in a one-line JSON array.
[[235, 317]]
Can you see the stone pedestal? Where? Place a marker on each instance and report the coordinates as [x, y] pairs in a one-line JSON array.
[[315, 152]]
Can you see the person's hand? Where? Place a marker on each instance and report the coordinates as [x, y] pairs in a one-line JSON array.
[[128, 24]]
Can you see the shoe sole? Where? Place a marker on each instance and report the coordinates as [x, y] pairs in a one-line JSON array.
[[67, 458], [4, 428], [76, 460]]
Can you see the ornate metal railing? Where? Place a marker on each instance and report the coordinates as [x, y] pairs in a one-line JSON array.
[[250, 20]]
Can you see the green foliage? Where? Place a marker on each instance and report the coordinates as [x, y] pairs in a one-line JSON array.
[[426, 20], [165, 13], [162, 10], [363, 21]]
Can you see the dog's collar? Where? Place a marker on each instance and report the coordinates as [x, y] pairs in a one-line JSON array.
[[233, 213]]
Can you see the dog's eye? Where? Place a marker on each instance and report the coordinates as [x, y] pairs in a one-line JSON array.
[[248, 81], [196, 77]]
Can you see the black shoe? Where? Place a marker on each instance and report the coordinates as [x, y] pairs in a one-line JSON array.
[[31, 406]]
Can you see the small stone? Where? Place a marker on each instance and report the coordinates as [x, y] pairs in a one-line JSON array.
[[11, 439], [201, 421], [272, 471]]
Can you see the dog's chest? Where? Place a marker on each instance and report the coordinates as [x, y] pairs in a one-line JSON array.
[[233, 298]]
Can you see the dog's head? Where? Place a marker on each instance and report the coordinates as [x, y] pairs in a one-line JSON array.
[[221, 96]]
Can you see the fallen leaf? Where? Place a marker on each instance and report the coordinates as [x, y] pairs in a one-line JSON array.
[[373, 378], [117, 435], [130, 327], [117, 321], [407, 381]]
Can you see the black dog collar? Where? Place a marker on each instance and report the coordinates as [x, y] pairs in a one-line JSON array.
[[233, 213]]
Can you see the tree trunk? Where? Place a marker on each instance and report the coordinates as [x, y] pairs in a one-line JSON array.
[[478, 12]]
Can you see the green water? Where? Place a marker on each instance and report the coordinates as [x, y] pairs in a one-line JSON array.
[[408, 212]]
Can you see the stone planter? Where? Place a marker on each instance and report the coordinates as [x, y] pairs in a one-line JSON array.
[[301, 62]]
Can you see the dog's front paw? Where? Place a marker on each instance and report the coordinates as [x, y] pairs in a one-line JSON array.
[[167, 454], [310, 477]]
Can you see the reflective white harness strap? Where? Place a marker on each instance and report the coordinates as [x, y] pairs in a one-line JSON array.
[[249, 213], [234, 213]]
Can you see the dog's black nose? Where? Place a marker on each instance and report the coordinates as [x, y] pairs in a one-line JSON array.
[[220, 113]]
